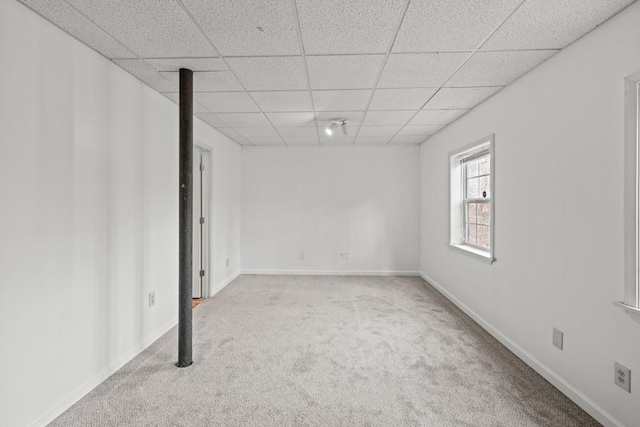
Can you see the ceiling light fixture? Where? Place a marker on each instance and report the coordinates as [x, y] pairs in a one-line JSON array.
[[334, 126]]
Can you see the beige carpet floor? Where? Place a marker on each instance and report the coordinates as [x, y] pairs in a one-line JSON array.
[[328, 351]]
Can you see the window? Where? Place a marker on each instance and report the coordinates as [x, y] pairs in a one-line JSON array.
[[631, 299], [472, 212]]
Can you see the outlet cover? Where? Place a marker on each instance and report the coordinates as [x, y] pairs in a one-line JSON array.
[[152, 299], [301, 255], [558, 338], [622, 377]]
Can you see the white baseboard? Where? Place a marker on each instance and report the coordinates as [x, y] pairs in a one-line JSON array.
[[570, 391], [82, 391], [332, 272], [225, 282]]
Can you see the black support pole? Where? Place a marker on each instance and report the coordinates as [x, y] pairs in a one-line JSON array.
[[185, 216]]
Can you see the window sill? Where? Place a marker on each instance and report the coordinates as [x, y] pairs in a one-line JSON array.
[[631, 310], [478, 253]]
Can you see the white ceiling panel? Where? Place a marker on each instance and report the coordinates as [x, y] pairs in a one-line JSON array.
[[266, 141], [302, 141], [283, 101], [544, 24], [213, 120], [497, 68], [400, 99], [292, 119], [420, 130], [70, 20], [148, 75], [341, 100], [353, 118], [409, 139], [193, 64], [353, 26], [436, 117], [298, 132], [344, 71], [445, 25], [459, 98], [336, 139], [420, 69], [226, 102], [272, 73], [263, 132], [249, 120], [381, 118], [230, 132], [242, 141], [248, 27], [150, 28], [215, 81], [175, 97], [378, 130], [372, 140]]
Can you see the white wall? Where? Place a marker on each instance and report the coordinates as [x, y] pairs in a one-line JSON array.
[[559, 193], [324, 201], [88, 216]]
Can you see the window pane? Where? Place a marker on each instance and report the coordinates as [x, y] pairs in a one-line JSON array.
[[472, 188], [483, 187], [482, 236], [471, 233], [472, 169], [471, 212], [483, 213], [484, 166]]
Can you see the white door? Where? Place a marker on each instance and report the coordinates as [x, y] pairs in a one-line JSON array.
[[200, 222]]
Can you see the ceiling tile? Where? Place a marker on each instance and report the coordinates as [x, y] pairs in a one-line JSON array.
[[148, 75], [242, 141], [298, 132], [409, 139], [341, 100], [436, 117], [302, 141], [353, 118], [344, 72], [226, 102], [272, 73], [292, 119], [497, 68], [400, 99], [543, 24], [230, 132], [212, 120], [244, 119], [193, 64], [248, 27], [354, 26], [175, 97], [283, 101], [336, 139], [445, 25], [150, 28], [379, 118], [420, 69], [459, 98], [262, 132], [67, 18], [216, 81], [378, 130], [266, 141], [372, 140], [420, 130]]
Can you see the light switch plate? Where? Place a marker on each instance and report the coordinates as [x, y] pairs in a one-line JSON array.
[[558, 338]]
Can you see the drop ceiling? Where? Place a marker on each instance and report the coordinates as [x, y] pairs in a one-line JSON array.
[[277, 72]]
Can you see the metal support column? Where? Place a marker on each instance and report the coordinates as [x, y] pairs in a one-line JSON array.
[[185, 311]]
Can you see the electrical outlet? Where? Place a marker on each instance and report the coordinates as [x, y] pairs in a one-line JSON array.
[[558, 338], [622, 377], [302, 255], [152, 299], [344, 255], [227, 262]]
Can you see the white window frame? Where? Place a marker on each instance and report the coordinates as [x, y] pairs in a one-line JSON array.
[[631, 298], [457, 221]]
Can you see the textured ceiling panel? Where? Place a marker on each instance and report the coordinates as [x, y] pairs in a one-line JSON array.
[[150, 28], [344, 72], [372, 140], [544, 24], [436, 117], [148, 75], [353, 26], [193, 64], [272, 73], [302, 141], [408, 139], [216, 81], [226, 102], [297, 132], [264, 132], [175, 97], [379, 118], [379, 130], [238, 120], [400, 99], [67, 18], [292, 119], [420, 69], [248, 27], [283, 101], [459, 98], [213, 120], [230, 132], [418, 130], [497, 68], [341, 100], [445, 25], [242, 141]]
